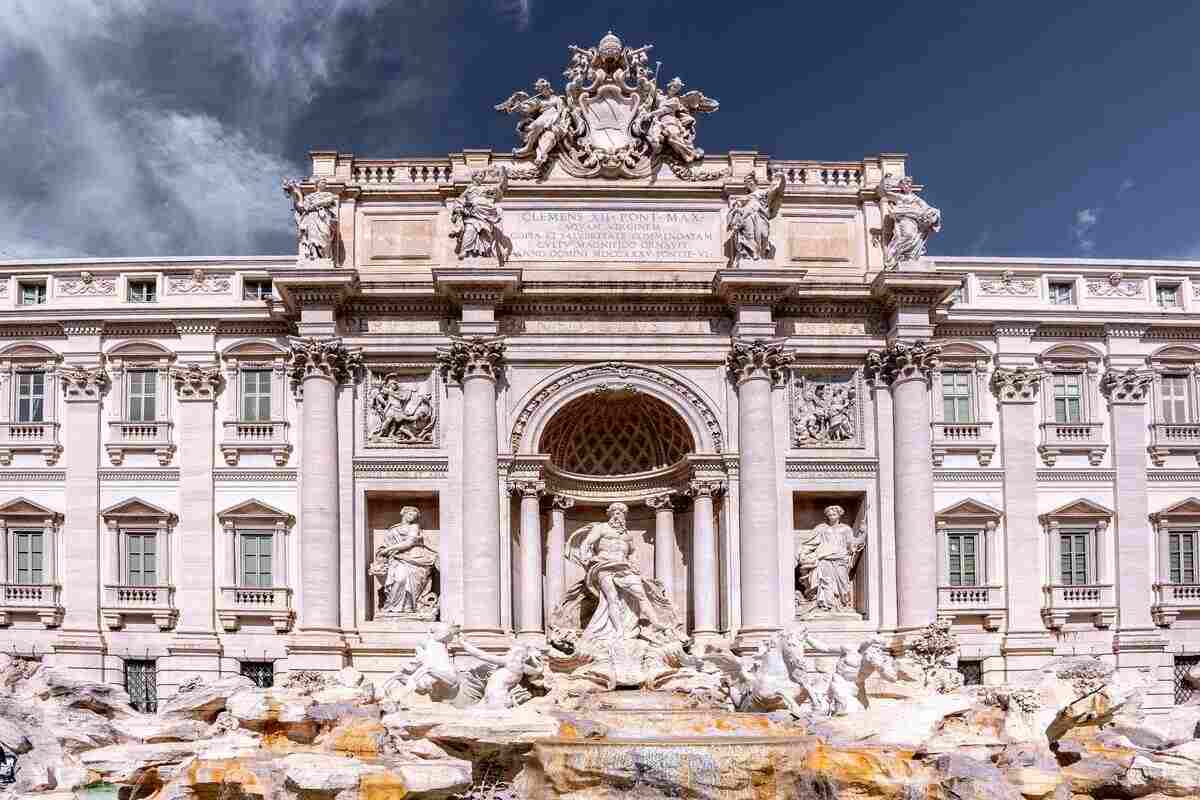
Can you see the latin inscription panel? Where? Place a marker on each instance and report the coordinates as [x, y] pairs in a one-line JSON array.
[[613, 235]]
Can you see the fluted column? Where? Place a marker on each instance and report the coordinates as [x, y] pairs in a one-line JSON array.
[[319, 366], [556, 540], [705, 584], [529, 622], [474, 362], [664, 540], [907, 367]]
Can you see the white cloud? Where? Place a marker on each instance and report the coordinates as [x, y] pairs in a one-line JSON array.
[[1084, 227]]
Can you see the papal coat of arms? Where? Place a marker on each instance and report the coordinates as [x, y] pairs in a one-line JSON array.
[[604, 125]]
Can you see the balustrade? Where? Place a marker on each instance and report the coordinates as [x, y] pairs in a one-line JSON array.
[[36, 437], [1096, 599], [255, 437], [238, 603]]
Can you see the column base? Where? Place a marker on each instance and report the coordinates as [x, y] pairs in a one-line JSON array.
[[316, 651]]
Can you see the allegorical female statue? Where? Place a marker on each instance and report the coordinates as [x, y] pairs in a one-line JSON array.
[[628, 606], [824, 560], [316, 219], [476, 217], [405, 566], [908, 222], [748, 228]]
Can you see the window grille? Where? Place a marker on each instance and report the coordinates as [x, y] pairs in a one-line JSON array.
[[1168, 295], [256, 395], [1183, 690], [261, 672], [971, 671], [141, 682], [33, 294], [31, 396], [956, 397], [142, 292]]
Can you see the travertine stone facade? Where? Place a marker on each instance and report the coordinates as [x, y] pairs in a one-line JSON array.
[[200, 458]]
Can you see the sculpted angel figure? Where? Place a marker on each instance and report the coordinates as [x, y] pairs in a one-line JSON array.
[[405, 412], [908, 222], [405, 565], [748, 228], [628, 606], [824, 560], [547, 120], [316, 219], [672, 122], [476, 217], [503, 688]]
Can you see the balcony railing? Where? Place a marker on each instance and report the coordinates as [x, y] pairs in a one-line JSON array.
[[1172, 599], [41, 599], [244, 602], [255, 437], [1072, 437], [973, 601], [1173, 437], [1096, 599], [29, 437], [121, 600], [152, 437], [963, 437]]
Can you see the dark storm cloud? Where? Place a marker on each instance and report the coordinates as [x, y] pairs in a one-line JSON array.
[[147, 127]]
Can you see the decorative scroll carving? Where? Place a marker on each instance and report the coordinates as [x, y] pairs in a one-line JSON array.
[[476, 217], [316, 217], [83, 383], [1128, 386], [196, 382], [825, 557], [401, 413], [1017, 384], [756, 358], [470, 357], [87, 285], [824, 412], [328, 357], [1115, 286], [908, 222], [199, 282], [748, 226], [1006, 284], [901, 361], [603, 125], [407, 569]]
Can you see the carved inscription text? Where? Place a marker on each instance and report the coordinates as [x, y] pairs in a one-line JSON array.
[[614, 235]]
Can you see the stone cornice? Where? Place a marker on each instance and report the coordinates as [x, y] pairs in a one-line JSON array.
[[900, 361], [755, 287], [1016, 385], [1130, 386], [82, 327], [325, 357], [526, 488], [757, 358], [894, 289], [1125, 330], [196, 326], [804, 467], [477, 286], [1016, 329], [196, 381], [469, 357]]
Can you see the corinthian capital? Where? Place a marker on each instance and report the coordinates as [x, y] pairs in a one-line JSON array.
[[900, 361], [1017, 384], [83, 383], [328, 357], [757, 358], [476, 356], [1128, 386], [196, 382]]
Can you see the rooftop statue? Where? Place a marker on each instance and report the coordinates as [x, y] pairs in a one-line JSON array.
[[316, 219], [908, 222], [476, 216], [748, 226], [611, 120]]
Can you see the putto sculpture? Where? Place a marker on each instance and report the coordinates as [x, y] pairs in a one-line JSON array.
[[824, 412], [476, 217], [604, 124], [748, 226], [429, 676], [908, 222], [316, 217], [403, 412], [405, 567], [824, 560]]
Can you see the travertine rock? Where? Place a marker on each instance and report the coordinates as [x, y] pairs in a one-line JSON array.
[[205, 700]]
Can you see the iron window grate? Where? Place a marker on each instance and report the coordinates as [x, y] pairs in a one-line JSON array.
[[261, 672], [141, 682], [1183, 690], [972, 672]]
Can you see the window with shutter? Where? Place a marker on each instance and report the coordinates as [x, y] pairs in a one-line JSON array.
[[1181, 556], [1068, 397], [31, 397], [142, 396], [257, 549], [141, 559], [1175, 399], [30, 552], [962, 548], [256, 395], [1073, 555]]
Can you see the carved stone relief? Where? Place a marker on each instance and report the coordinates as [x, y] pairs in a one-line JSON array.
[[401, 409], [199, 282], [1115, 286], [825, 410], [1006, 284], [87, 285]]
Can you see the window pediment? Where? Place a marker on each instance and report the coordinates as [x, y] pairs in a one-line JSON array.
[[1185, 511], [136, 510], [1077, 511], [29, 351], [255, 512], [969, 511], [21, 508]]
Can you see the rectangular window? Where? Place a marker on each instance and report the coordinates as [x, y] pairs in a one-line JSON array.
[[1183, 686], [261, 672], [1167, 294], [1073, 555], [1175, 399], [141, 559], [971, 671], [142, 396], [256, 289], [30, 552], [142, 291], [141, 682], [31, 397], [962, 548], [1068, 397], [33, 293], [956, 397], [256, 395], [257, 547], [1062, 293], [1181, 556]]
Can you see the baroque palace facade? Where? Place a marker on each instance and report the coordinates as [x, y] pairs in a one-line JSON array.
[[276, 463]]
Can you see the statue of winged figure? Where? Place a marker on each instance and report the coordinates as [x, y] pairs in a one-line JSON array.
[[671, 120], [546, 120], [748, 227]]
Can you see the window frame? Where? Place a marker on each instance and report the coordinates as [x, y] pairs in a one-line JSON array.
[[1177, 287], [1070, 284], [29, 534], [1180, 518], [1085, 536], [147, 666], [32, 282], [23, 515], [975, 538], [1063, 375], [26, 372], [137, 516], [970, 517], [143, 535], [259, 535], [1079, 516], [968, 397], [258, 281], [243, 394], [149, 287], [253, 516], [138, 400]]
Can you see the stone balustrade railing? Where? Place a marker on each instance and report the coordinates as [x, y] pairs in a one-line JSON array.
[[125, 436], [1170, 599], [390, 172], [38, 437], [237, 603], [249, 437], [988, 602], [42, 600], [820, 174], [1095, 599], [122, 600], [963, 437]]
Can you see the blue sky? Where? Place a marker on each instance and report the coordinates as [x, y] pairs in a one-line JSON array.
[[140, 127]]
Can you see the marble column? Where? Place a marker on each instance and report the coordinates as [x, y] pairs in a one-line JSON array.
[[474, 362], [79, 645], [556, 540], [755, 366], [705, 561], [320, 365], [529, 622], [664, 540], [906, 368]]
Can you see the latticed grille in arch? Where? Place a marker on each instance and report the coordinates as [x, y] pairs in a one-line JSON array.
[[616, 432]]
